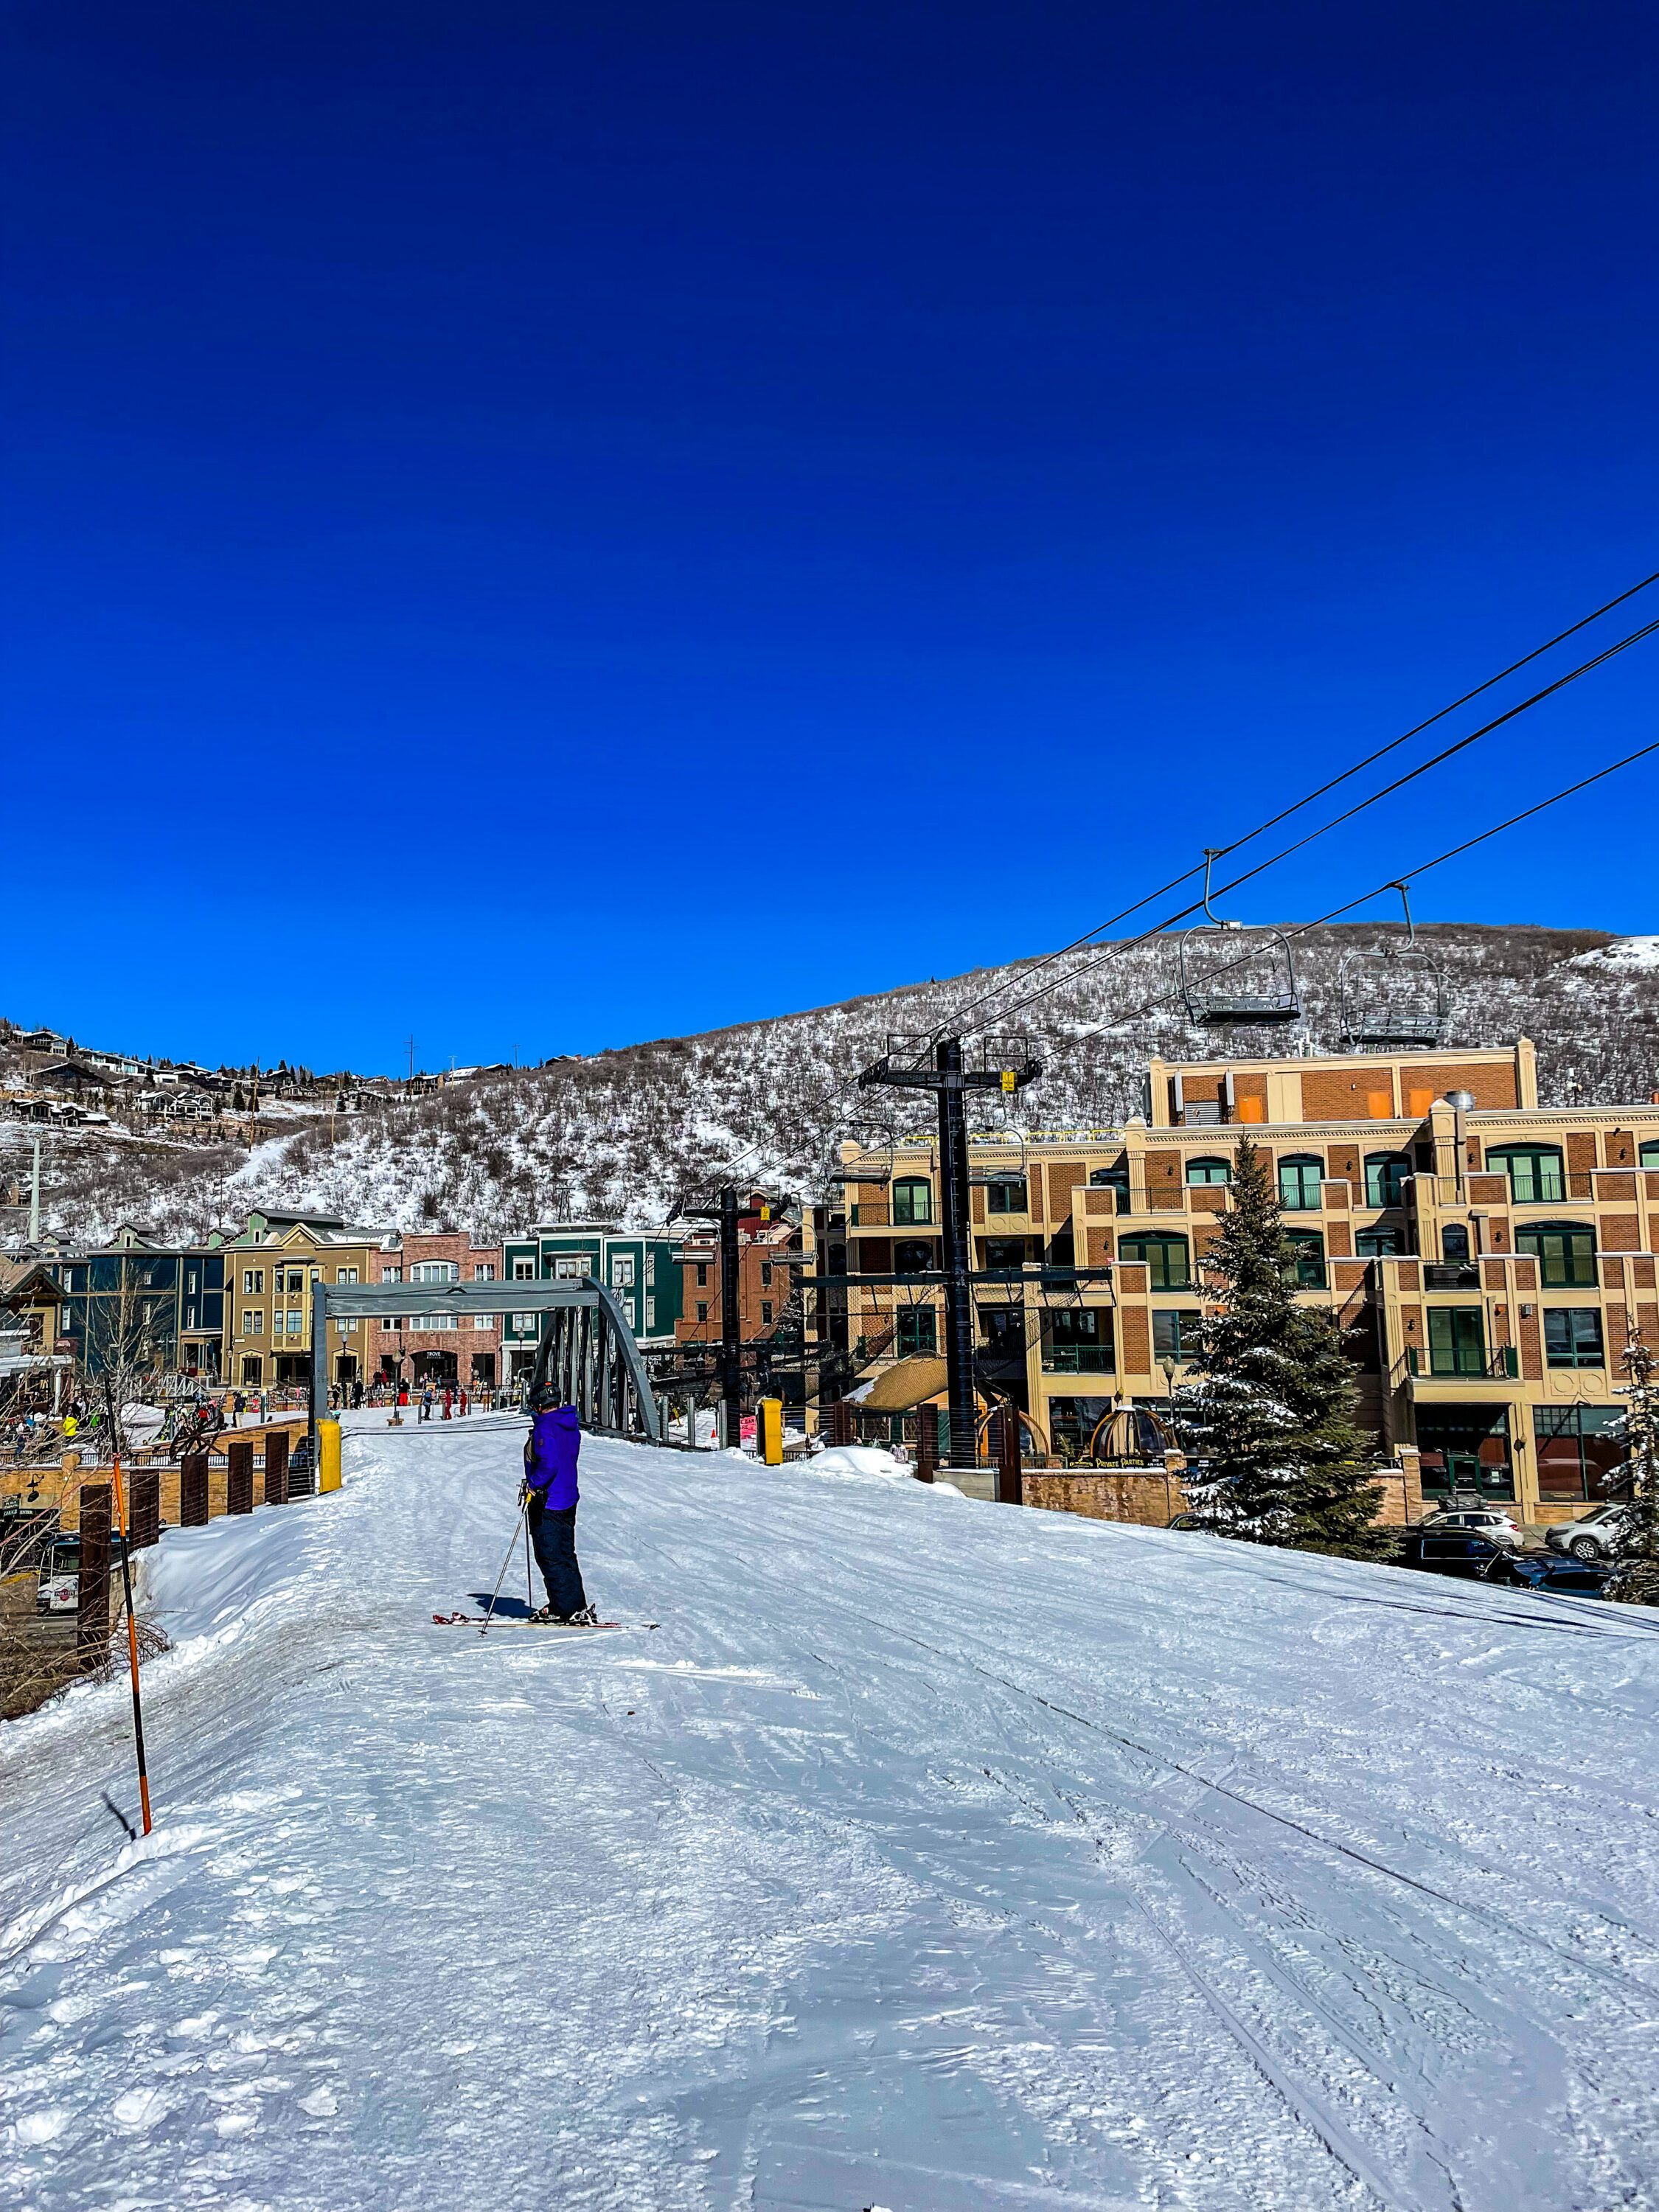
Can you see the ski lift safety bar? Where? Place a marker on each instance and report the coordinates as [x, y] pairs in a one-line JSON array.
[[612, 1340]]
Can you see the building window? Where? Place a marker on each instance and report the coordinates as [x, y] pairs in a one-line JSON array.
[[434, 1270], [913, 1255], [1457, 1342], [484, 1270], [702, 1274], [1005, 1251], [1078, 1340], [1385, 1178], [622, 1271], [1455, 1243], [572, 1266], [1006, 1198], [1174, 1333], [253, 1282], [702, 1309], [391, 1275], [524, 1271], [650, 1268], [1165, 1258], [650, 1311], [525, 1324], [766, 1274], [913, 1201], [1572, 1336], [1535, 1173], [917, 1331], [766, 1313], [1565, 1251], [346, 1275], [1205, 1171], [1378, 1244], [1308, 1258], [1299, 1178], [1651, 1155], [1580, 1449], [189, 1282], [253, 1324], [483, 1320]]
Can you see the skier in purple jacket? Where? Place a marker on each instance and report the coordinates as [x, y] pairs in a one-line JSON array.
[[550, 1498]]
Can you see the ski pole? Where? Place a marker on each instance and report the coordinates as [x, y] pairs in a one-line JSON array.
[[512, 1546]]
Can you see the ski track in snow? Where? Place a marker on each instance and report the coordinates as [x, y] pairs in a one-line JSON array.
[[930, 1855]]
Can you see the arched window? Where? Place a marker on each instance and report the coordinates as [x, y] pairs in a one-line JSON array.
[[1299, 1179], [1209, 1171], [1565, 1251], [1535, 1174], [1651, 1155], [913, 1201], [1385, 1177], [915, 1255], [1168, 1267], [1308, 1268]]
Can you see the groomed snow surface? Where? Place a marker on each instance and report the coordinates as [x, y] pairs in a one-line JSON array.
[[930, 1855]]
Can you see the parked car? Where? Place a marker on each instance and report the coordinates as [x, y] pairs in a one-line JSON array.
[[1547, 1571], [1189, 1521], [1488, 1520], [1592, 1538], [1451, 1551]]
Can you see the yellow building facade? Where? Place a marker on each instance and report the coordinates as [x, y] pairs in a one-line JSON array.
[[1491, 1258]]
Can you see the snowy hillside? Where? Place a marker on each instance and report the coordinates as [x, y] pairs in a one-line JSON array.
[[929, 1856], [621, 1132]]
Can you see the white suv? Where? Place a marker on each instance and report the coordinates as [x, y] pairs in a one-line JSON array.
[[1478, 1521], [1592, 1538]]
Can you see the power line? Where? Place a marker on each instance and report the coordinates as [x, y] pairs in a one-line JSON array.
[[1319, 792]]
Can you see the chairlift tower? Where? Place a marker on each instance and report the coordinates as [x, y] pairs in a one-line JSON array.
[[1008, 1066]]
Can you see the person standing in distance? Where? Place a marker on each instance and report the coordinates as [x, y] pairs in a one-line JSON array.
[[551, 1495]]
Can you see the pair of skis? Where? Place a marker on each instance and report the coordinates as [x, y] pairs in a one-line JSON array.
[[481, 1621]]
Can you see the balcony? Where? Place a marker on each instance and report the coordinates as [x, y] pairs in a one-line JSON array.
[[1079, 1359], [1419, 1368]]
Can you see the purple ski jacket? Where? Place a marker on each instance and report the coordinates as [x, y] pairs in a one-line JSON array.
[[550, 1457]]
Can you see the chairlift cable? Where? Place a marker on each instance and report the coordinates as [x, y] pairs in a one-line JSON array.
[[1423, 867], [1386, 791], [1355, 769]]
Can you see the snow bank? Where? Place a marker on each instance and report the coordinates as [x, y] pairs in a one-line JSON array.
[[855, 1459], [1629, 955], [969, 1860]]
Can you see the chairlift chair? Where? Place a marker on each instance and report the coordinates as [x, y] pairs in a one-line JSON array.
[[1250, 987], [1395, 996]]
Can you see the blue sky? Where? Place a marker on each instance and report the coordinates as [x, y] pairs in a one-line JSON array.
[[544, 526]]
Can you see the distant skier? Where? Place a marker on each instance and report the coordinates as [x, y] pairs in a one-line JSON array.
[[551, 1497]]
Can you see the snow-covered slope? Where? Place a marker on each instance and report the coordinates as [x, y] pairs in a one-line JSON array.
[[624, 1132], [930, 1855]]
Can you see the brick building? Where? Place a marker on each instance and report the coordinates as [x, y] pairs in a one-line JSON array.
[[438, 1347], [764, 1283], [1491, 1256]]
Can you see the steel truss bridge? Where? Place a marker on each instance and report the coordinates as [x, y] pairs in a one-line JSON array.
[[589, 1355]]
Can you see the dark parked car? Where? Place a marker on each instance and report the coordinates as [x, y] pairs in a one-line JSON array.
[[1546, 1571], [1453, 1551]]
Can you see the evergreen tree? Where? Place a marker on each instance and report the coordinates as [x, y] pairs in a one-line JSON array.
[[1271, 1411], [1636, 1552]]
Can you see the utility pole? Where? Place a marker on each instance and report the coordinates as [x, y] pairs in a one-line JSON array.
[[949, 1081], [34, 1195]]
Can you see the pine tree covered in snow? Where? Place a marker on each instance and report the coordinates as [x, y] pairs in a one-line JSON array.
[[1636, 1553], [1271, 1411]]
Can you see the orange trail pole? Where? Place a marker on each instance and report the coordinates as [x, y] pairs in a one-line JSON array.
[[132, 1644]]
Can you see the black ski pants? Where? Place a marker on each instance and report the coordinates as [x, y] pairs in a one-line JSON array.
[[554, 1536]]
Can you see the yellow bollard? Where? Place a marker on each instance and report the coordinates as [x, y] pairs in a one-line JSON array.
[[768, 1424], [328, 1455]]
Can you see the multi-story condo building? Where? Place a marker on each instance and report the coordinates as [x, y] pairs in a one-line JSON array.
[[135, 1304], [1491, 1258], [437, 1347], [639, 1269], [269, 1268]]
